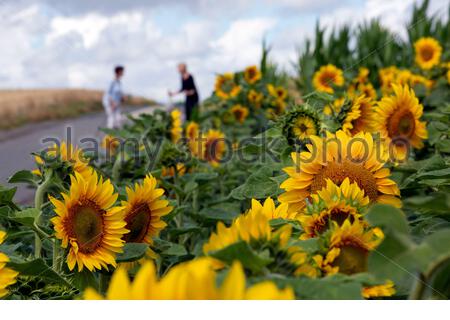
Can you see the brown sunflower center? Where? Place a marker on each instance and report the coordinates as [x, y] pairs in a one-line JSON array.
[[212, 150], [336, 215], [327, 79], [138, 221], [401, 124], [356, 173], [352, 259], [85, 224], [251, 73], [427, 53]]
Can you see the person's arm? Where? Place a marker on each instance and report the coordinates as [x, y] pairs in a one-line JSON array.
[[112, 103]]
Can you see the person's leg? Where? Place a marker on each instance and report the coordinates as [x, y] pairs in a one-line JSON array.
[[109, 117], [188, 110]]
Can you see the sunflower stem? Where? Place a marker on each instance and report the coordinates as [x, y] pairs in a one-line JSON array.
[[56, 256], [103, 285], [38, 201]]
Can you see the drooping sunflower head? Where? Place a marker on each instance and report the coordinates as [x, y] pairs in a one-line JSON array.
[[7, 275], [360, 115], [349, 246], [192, 130], [252, 74], [110, 144], [192, 280], [428, 52], [176, 129], [88, 224], [213, 147], [278, 93], [333, 204], [336, 157], [397, 119], [255, 98], [327, 77], [72, 155], [239, 112], [226, 87], [143, 210]]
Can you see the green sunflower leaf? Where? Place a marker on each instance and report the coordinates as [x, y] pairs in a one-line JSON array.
[[132, 252]]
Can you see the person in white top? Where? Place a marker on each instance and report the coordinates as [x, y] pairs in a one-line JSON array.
[[113, 99]]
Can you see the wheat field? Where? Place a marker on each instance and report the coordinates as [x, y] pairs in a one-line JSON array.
[[18, 107]]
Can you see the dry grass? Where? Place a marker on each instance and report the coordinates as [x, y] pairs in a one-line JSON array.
[[23, 106]]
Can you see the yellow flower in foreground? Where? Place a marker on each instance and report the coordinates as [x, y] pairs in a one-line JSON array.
[[176, 129], [7, 275], [143, 210], [193, 280], [360, 116], [397, 119], [252, 74], [428, 52], [349, 247], [88, 224], [333, 204], [379, 291], [336, 157], [327, 77], [239, 112], [225, 86]]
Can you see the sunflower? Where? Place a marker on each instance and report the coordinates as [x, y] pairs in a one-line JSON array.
[[397, 119], [269, 209], [382, 290], [193, 280], [7, 275], [279, 93], [239, 112], [333, 204], [88, 224], [192, 130], [349, 247], [213, 147], [252, 74], [428, 52], [225, 86], [70, 154], [327, 77], [363, 74], [176, 129], [39, 161], [143, 210], [110, 144], [255, 98], [335, 107], [336, 157], [170, 171], [362, 88], [387, 76], [304, 127], [254, 228], [359, 117]]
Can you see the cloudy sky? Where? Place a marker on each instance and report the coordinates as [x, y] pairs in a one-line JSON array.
[[62, 43]]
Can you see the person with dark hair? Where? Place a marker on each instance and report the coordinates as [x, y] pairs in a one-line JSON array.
[[189, 89], [113, 99]]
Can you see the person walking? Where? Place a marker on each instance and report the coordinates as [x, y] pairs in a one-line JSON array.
[[113, 99], [189, 89]]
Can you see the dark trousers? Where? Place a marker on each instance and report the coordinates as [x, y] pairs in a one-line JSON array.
[[189, 108]]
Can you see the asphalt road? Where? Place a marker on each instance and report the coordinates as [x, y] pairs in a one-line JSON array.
[[16, 145]]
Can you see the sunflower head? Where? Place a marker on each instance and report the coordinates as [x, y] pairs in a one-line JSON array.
[[336, 157], [213, 147], [179, 169], [110, 144], [252, 74], [226, 87], [269, 209], [363, 75], [397, 119], [299, 123], [192, 280], [239, 112], [255, 98], [87, 223], [192, 130], [378, 291], [7, 275], [176, 129], [278, 93], [143, 211], [359, 117], [428, 52], [333, 204], [327, 77], [71, 155]]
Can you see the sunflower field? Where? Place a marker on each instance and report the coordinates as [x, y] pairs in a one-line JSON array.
[[333, 183]]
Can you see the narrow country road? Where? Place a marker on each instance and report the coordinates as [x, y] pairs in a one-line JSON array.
[[16, 145]]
